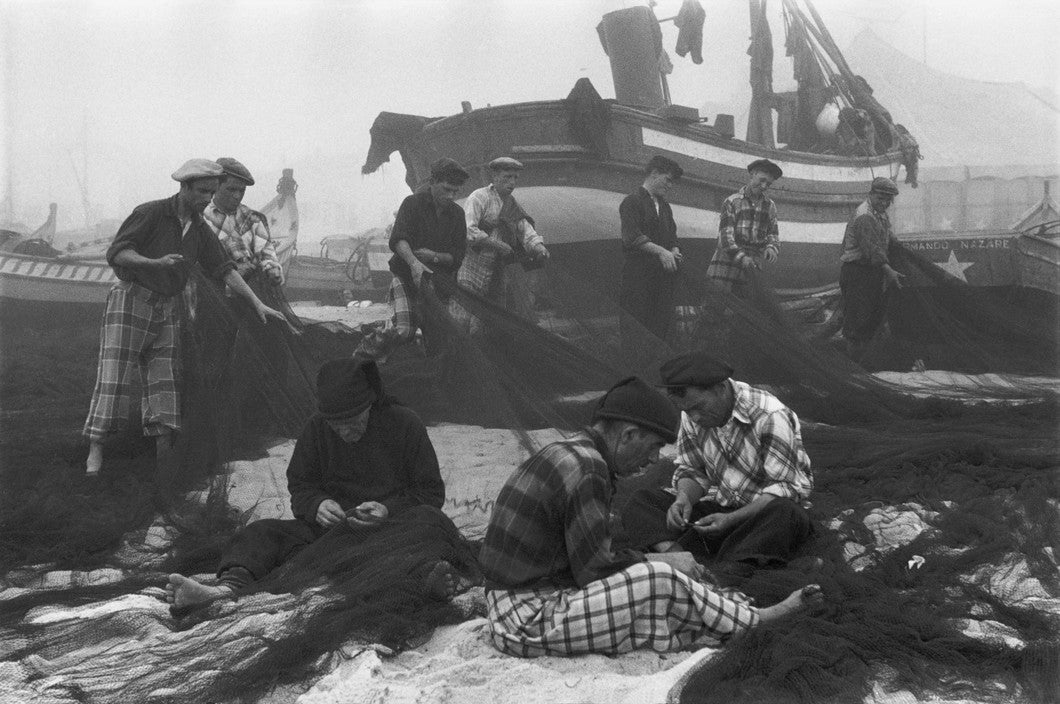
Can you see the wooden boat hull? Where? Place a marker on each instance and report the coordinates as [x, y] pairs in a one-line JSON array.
[[1038, 263], [41, 288]]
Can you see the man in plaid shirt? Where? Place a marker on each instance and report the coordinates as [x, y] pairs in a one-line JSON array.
[[554, 583], [742, 480], [747, 230], [243, 232]]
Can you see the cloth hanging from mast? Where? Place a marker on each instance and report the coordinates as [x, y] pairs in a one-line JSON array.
[[813, 92], [760, 116], [689, 23]]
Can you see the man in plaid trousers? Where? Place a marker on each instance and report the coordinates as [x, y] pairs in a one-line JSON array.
[[152, 255], [554, 583], [747, 230]]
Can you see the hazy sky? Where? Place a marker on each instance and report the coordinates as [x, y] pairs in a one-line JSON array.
[[132, 89]]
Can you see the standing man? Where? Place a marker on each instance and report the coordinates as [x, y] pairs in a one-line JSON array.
[[429, 238], [243, 232], [152, 255], [554, 583], [652, 256], [866, 276], [742, 475], [498, 231], [747, 230], [365, 470]]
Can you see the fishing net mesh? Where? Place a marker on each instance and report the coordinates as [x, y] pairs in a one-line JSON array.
[[935, 504]]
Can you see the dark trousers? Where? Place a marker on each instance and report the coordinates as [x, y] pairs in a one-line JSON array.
[[646, 298], [864, 300], [768, 539], [406, 545]]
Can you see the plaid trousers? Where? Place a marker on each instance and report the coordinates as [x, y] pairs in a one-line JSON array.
[[647, 605], [139, 341], [378, 343]]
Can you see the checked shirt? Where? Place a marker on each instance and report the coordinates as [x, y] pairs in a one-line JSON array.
[[745, 229], [758, 451]]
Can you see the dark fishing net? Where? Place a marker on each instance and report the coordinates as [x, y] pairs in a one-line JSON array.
[[972, 467]]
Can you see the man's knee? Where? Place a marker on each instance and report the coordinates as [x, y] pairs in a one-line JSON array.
[[787, 512]]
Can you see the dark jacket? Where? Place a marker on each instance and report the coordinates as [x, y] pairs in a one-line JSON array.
[[640, 223], [153, 230], [419, 223], [394, 464]]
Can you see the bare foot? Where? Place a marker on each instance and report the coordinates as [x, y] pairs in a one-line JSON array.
[[183, 592], [95, 459], [441, 583], [800, 599]]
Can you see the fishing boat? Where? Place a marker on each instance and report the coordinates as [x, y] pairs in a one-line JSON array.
[[583, 154]]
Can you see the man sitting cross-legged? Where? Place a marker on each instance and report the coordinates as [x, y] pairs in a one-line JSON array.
[[364, 473], [556, 586]]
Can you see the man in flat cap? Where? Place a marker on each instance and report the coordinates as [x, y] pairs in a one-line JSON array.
[[429, 239], [243, 232], [866, 278], [363, 471], [742, 479], [652, 254], [152, 255], [747, 230], [555, 585], [499, 234]]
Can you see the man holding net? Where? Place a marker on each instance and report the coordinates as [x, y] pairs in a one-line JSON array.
[[742, 478], [152, 255], [429, 239], [556, 586], [365, 474], [499, 233]]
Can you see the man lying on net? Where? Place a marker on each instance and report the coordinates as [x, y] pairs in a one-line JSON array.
[[742, 475], [364, 473], [556, 586]]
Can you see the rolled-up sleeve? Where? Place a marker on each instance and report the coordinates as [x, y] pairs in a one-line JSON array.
[[474, 209], [132, 232], [689, 460]]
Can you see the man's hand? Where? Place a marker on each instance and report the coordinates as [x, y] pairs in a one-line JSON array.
[[714, 524], [427, 256], [748, 262], [329, 513], [168, 260], [680, 561], [418, 270], [679, 513], [668, 260], [499, 247], [676, 251], [539, 252], [771, 255], [367, 515], [264, 313], [894, 278]]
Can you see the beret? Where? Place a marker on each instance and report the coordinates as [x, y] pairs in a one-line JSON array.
[[635, 401], [197, 168], [765, 165], [505, 163], [234, 168], [881, 184], [693, 369]]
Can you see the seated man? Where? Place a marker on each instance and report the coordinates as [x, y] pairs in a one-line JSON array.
[[363, 469], [554, 583], [742, 474]]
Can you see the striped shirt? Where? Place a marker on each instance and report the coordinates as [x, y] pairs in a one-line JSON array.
[[550, 526], [747, 225], [245, 236], [757, 452]]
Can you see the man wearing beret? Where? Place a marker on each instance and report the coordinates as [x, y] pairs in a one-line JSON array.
[[866, 276], [652, 255], [498, 232], [243, 232], [152, 255], [364, 470], [747, 230], [429, 239], [742, 476], [554, 583]]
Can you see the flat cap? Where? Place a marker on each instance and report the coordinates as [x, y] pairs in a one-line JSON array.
[[635, 401], [881, 184], [505, 163], [693, 369], [448, 170], [234, 168], [197, 168], [765, 165]]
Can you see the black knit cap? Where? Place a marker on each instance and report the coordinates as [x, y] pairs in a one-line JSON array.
[[693, 369], [765, 165], [345, 388], [635, 401]]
